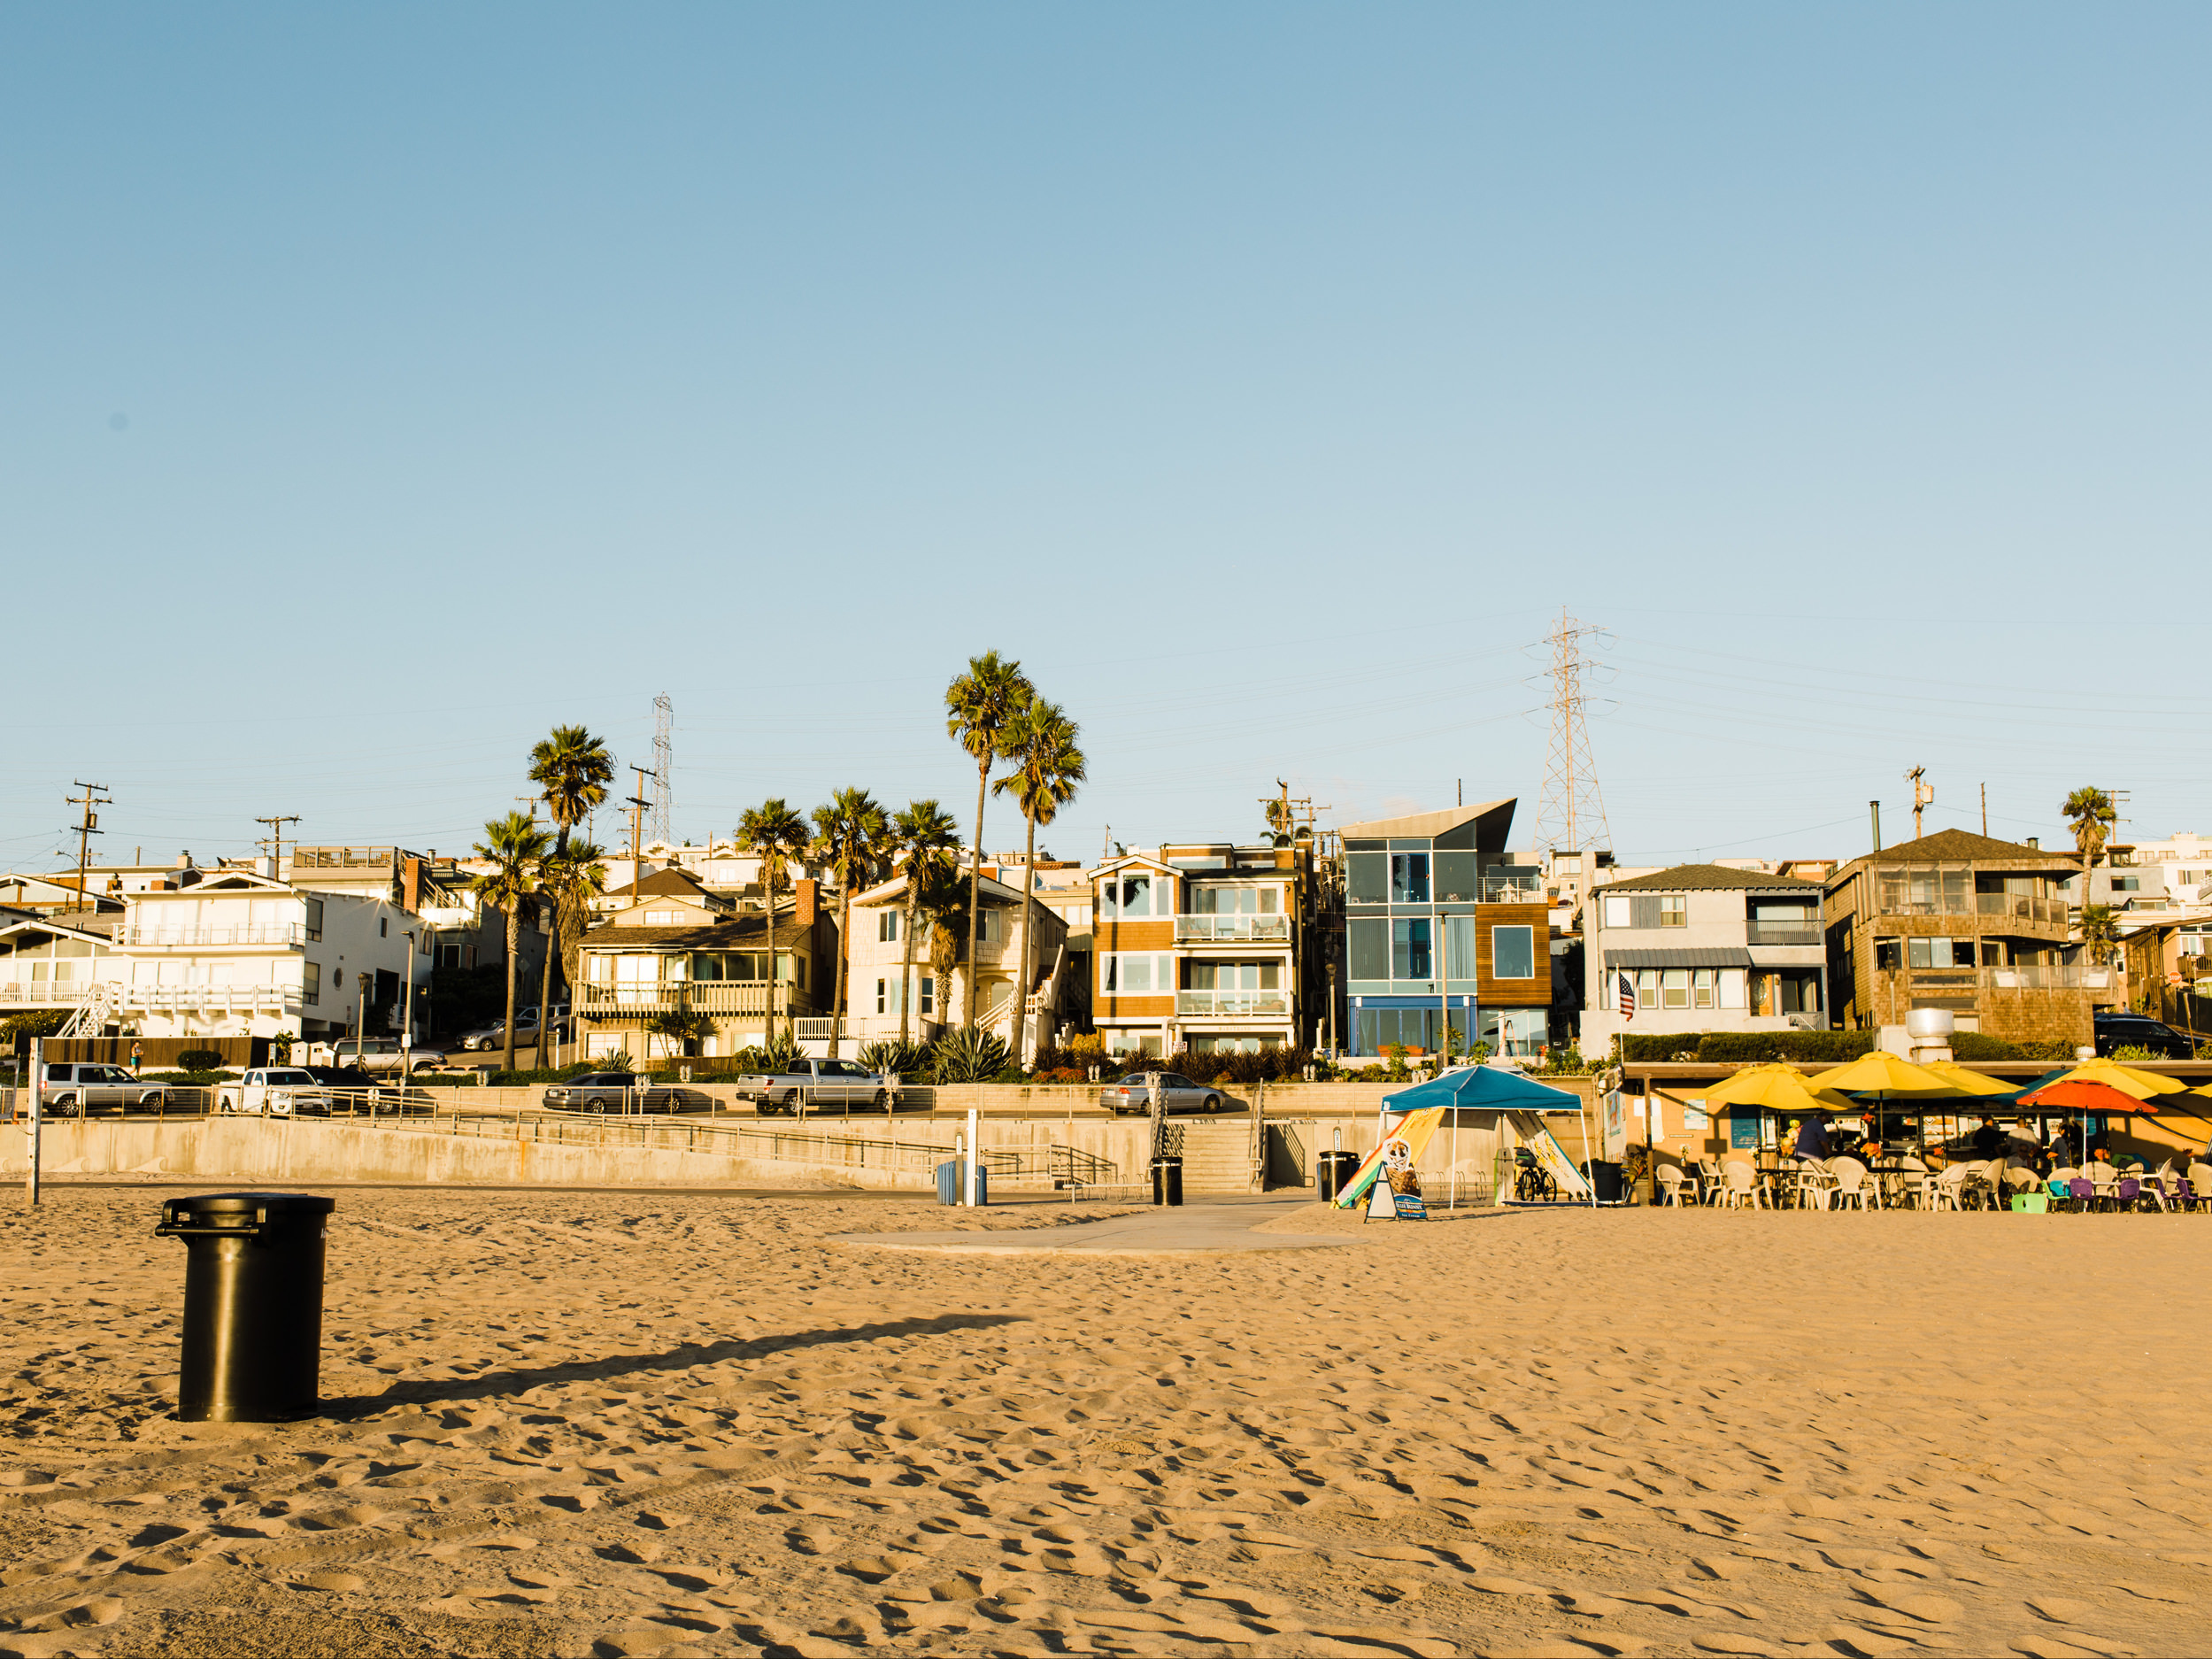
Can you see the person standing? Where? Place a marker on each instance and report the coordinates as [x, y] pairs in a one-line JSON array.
[[138, 1055]]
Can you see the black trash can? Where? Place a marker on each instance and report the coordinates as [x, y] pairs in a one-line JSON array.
[[1168, 1181], [1331, 1170], [1606, 1178], [252, 1304]]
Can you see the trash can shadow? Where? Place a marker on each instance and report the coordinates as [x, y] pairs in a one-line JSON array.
[[253, 1271]]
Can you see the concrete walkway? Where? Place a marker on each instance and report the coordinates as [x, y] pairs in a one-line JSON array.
[[1212, 1226]]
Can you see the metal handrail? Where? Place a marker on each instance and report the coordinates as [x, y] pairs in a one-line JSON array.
[[1199, 929], [1202, 1002], [277, 933]]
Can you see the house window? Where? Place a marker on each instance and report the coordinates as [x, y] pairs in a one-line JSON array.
[[1674, 988], [1367, 946], [887, 928], [449, 956], [1618, 912], [1888, 955], [1136, 974], [1458, 947], [991, 928], [1939, 952], [1701, 988], [1513, 953], [1409, 878], [1674, 910], [1410, 948], [311, 984], [663, 919], [1732, 987], [1124, 896], [1648, 987], [1368, 879], [929, 996], [882, 989], [381, 934], [314, 918]]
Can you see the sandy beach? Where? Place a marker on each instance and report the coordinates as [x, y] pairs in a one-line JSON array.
[[605, 1423]]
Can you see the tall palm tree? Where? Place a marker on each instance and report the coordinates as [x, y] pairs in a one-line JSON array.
[[923, 837], [1047, 766], [2089, 810], [978, 706], [571, 770], [775, 835], [849, 834], [516, 847], [568, 877]]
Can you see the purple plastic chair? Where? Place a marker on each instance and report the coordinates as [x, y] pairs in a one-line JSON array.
[[2083, 1190]]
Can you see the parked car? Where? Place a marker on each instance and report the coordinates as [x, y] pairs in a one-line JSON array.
[[623, 1091], [821, 1086], [383, 1055], [494, 1034], [2121, 1029], [1131, 1097], [274, 1092], [73, 1089]]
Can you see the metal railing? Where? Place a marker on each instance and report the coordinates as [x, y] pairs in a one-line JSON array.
[[703, 996], [2017, 907], [208, 999], [64, 993], [1203, 1002], [1496, 890], [273, 933], [1199, 929], [1782, 933], [2062, 976]]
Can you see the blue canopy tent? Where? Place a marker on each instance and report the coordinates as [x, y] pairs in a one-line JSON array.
[[1500, 1090]]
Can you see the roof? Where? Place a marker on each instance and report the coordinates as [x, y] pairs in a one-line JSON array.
[[1711, 877], [1963, 847], [993, 892], [1432, 823], [714, 936], [670, 881]]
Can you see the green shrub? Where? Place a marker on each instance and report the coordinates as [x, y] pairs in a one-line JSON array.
[[201, 1060], [970, 1054], [1745, 1047], [907, 1060], [2052, 1051], [1973, 1045], [781, 1052]]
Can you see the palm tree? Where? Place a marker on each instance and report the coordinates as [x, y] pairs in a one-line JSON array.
[[516, 848], [775, 834], [571, 770], [922, 837], [1047, 766], [945, 898], [2089, 810], [849, 838], [567, 878], [978, 706]]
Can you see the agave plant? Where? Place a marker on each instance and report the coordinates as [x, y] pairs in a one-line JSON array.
[[906, 1060], [781, 1052], [968, 1054]]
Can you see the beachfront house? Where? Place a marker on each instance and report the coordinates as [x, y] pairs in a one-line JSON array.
[[1703, 948], [881, 982]]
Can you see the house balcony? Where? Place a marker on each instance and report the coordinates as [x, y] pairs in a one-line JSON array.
[[1497, 890], [1245, 1003], [698, 996], [277, 999], [2016, 906], [1782, 933], [1232, 930], [286, 933], [45, 993]]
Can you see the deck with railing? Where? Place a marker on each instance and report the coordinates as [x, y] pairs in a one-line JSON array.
[[1232, 930]]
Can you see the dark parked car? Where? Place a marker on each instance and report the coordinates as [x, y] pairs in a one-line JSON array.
[[2117, 1030], [623, 1091]]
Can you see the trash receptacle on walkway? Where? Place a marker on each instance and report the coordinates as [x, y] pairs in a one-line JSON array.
[[252, 1304], [1167, 1180], [953, 1178], [1331, 1170]]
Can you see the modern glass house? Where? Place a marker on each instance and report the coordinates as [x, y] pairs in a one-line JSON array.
[[1446, 941]]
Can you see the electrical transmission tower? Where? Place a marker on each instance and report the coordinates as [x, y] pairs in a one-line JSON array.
[[1571, 815], [664, 725]]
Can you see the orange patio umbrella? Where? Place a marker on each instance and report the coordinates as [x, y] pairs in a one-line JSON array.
[[2080, 1095]]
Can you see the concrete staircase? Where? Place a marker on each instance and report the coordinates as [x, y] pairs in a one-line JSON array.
[[1216, 1158]]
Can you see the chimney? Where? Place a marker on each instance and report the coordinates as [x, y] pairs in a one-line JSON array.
[[411, 883], [184, 859], [803, 901], [2036, 842]]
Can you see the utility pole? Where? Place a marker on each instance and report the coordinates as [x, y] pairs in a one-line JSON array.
[[1924, 796], [1985, 809], [276, 841], [638, 804], [88, 827]]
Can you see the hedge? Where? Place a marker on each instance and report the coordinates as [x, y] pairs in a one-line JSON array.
[[1746, 1047]]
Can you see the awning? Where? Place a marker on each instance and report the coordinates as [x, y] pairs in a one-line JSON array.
[[1683, 956], [1483, 1089]]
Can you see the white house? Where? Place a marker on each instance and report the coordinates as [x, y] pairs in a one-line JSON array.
[[879, 980]]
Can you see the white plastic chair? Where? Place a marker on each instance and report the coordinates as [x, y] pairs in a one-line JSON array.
[[2200, 1186], [1670, 1185], [1851, 1185], [1945, 1190], [1740, 1188]]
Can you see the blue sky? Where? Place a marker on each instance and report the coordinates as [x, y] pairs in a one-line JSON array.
[[380, 389]]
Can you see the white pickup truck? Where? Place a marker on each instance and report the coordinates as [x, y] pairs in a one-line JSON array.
[[273, 1091], [820, 1085]]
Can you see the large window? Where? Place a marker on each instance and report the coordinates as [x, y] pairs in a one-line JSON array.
[[1136, 974], [1673, 987], [1198, 975], [1368, 948], [1409, 878], [1513, 953], [1618, 913], [1937, 953], [311, 984], [1674, 910], [1456, 878], [1126, 896], [314, 920], [1368, 879], [1458, 947], [1410, 949]]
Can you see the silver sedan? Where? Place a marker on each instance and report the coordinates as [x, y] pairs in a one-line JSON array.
[[1132, 1096]]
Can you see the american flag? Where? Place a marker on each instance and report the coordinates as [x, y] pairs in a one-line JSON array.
[[1628, 997]]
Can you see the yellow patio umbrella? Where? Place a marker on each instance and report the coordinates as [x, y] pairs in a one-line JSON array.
[[1777, 1088], [2142, 1085], [1964, 1081], [1882, 1073]]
